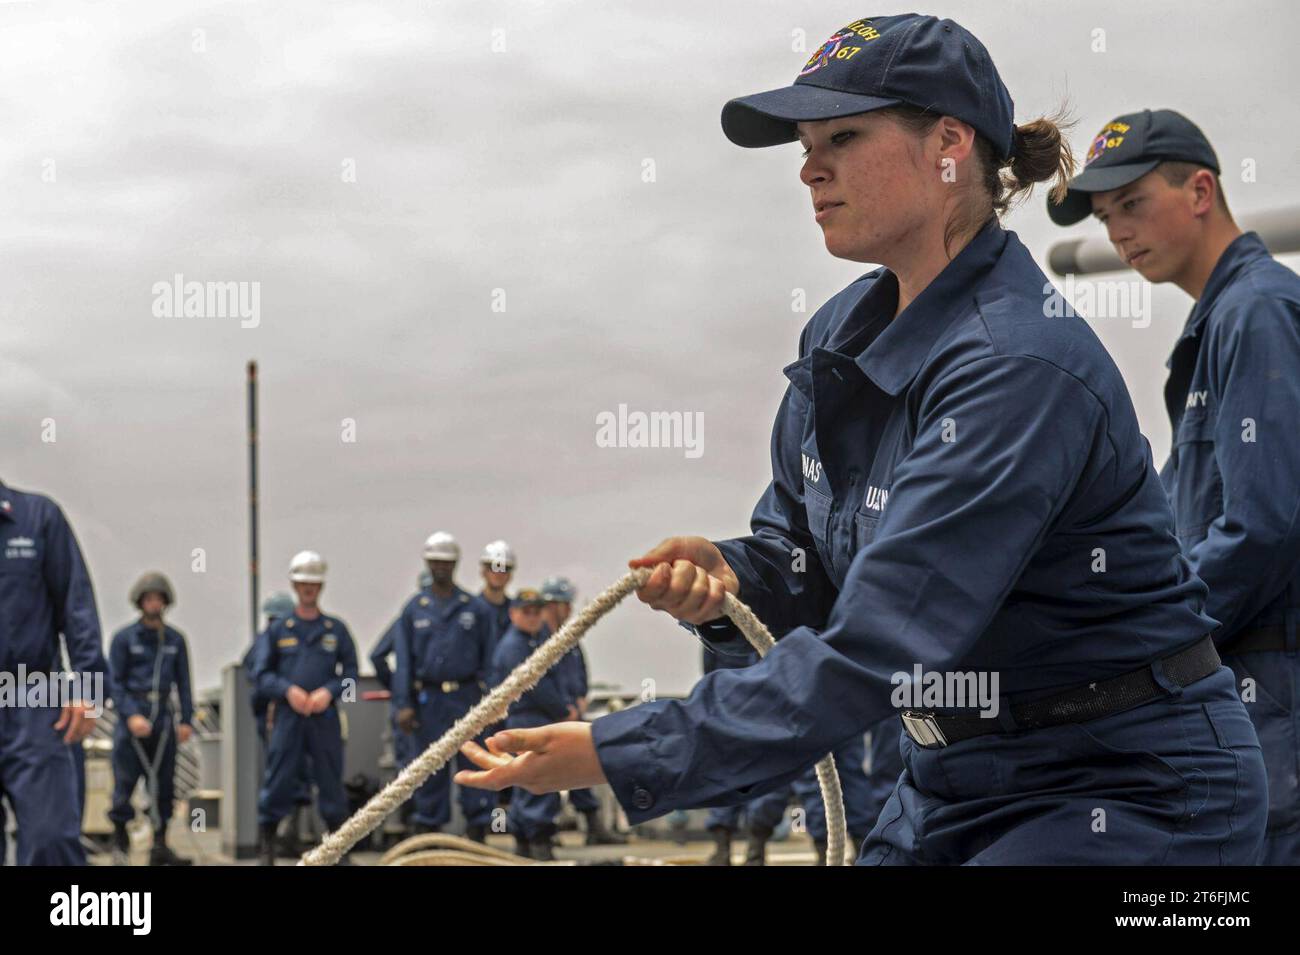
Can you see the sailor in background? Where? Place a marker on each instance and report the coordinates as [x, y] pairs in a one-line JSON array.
[[304, 665], [442, 648], [1233, 398], [148, 659], [559, 594], [532, 816], [45, 592]]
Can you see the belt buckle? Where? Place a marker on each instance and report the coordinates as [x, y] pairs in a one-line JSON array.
[[449, 686], [924, 730]]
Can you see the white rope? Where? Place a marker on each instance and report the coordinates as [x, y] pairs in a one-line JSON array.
[[492, 709]]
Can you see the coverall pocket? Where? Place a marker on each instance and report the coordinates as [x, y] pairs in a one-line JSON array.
[[1108, 767], [1198, 497], [1232, 727], [1271, 727], [864, 530], [817, 506]]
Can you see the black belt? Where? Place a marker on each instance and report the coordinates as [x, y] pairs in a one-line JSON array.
[[1270, 637], [1079, 705], [443, 686]]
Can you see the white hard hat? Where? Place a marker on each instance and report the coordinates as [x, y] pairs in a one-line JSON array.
[[441, 546], [500, 555], [307, 567]]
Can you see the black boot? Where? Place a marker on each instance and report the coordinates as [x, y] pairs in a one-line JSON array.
[[597, 834], [161, 853], [286, 843], [522, 848], [290, 841], [721, 847], [540, 850], [266, 845], [756, 854], [476, 834], [121, 844]]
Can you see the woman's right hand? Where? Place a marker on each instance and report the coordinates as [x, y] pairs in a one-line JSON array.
[[690, 579]]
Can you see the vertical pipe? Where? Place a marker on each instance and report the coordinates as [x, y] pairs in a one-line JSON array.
[[252, 497]]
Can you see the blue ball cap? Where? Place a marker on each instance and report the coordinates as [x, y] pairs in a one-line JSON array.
[[877, 62], [1125, 150], [277, 605], [528, 597], [558, 590]]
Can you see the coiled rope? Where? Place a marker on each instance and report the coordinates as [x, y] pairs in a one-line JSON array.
[[492, 709]]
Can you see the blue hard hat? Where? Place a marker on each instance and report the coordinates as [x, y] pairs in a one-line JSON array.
[[277, 605], [558, 590]]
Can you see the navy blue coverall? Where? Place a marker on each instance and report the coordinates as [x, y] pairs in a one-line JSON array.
[[531, 815], [764, 812], [261, 715], [1233, 478], [864, 793], [499, 617], [45, 591], [145, 665], [384, 673], [962, 487], [443, 647], [574, 670], [309, 654]]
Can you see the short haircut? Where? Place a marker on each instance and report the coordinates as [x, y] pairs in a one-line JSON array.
[[1177, 173]]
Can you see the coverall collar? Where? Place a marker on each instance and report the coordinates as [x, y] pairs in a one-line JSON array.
[[895, 357], [892, 358], [1245, 248], [448, 605]]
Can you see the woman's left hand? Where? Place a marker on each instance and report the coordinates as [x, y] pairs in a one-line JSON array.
[[550, 758]]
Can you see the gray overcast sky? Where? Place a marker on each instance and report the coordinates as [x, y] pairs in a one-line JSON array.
[[220, 155]]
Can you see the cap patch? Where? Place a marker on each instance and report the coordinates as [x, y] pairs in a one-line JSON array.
[[1111, 135], [834, 48]]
